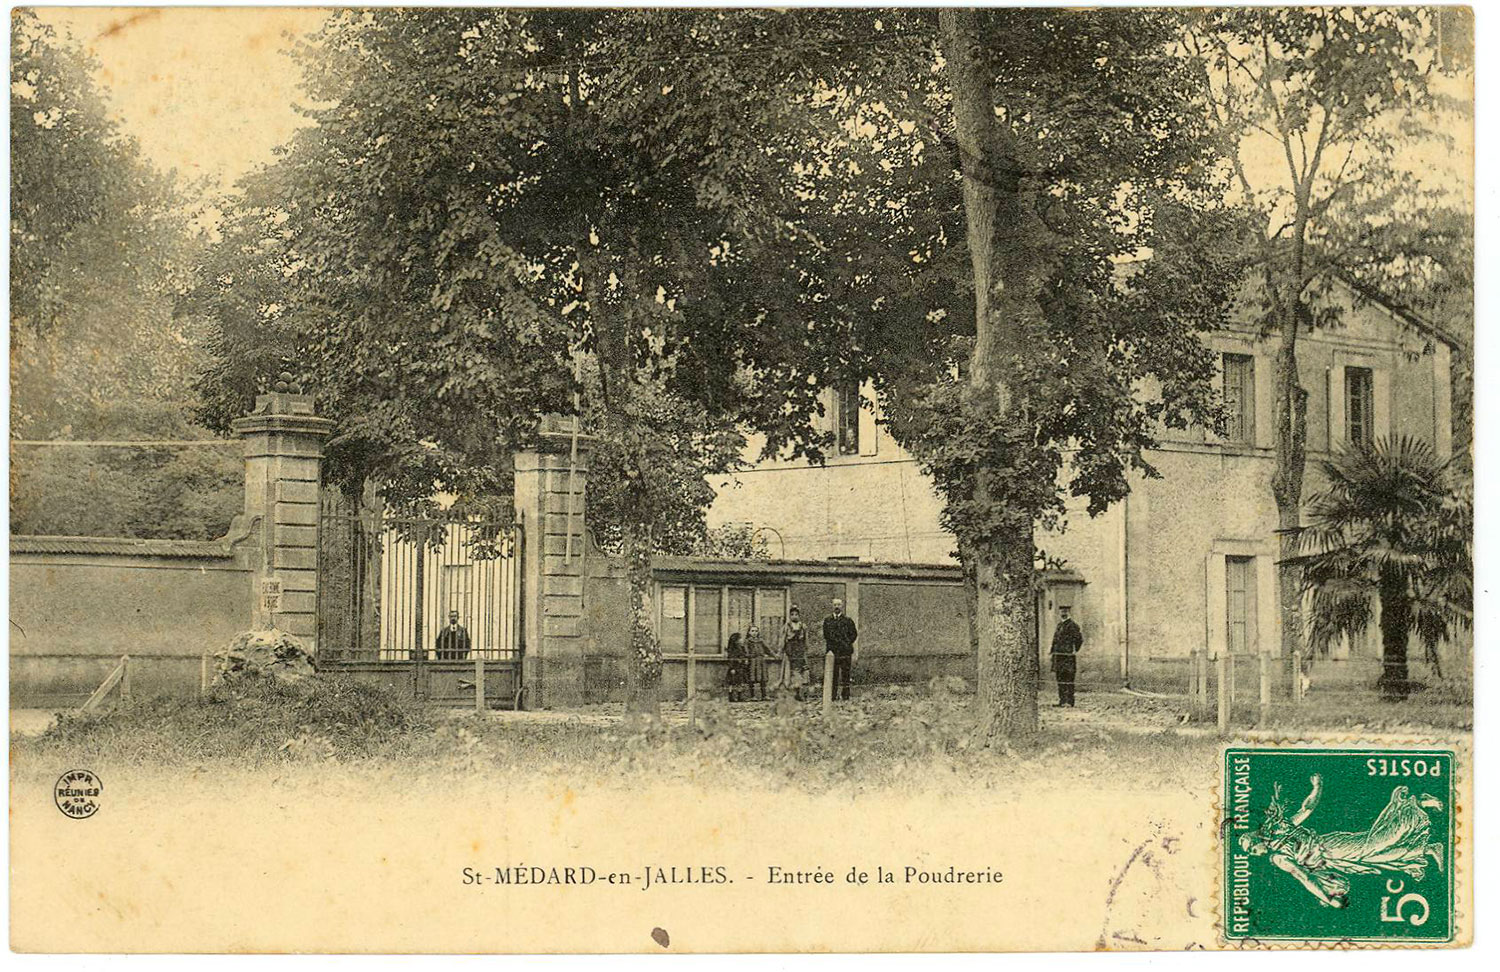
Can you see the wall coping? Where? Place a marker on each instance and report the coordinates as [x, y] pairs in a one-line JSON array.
[[702, 566], [667, 568], [223, 548], [123, 546]]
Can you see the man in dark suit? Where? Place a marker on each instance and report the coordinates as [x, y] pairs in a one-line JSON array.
[[1067, 642], [838, 637], [453, 641]]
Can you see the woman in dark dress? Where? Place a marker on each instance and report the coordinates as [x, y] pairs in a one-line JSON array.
[[794, 654]]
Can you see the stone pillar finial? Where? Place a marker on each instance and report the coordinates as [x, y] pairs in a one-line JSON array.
[[283, 472]]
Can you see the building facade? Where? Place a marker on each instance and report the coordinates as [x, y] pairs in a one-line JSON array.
[[1186, 561]]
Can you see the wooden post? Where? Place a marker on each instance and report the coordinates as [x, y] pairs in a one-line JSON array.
[[1265, 688], [479, 683], [827, 684], [1226, 689], [1298, 689], [690, 608], [1203, 681], [203, 676], [1197, 683], [125, 677]]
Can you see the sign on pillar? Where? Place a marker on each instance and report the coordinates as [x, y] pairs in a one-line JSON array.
[[283, 474]]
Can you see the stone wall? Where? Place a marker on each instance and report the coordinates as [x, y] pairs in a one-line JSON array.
[[911, 618], [78, 604]]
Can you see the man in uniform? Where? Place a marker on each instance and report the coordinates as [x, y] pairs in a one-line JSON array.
[[453, 641], [1067, 642], [838, 636]]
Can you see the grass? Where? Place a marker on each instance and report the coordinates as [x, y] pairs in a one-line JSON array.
[[875, 742], [881, 740]]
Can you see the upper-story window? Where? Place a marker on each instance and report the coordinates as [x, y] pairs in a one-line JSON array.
[[846, 417], [1359, 406], [1239, 398]]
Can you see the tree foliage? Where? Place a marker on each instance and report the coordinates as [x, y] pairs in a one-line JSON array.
[[1317, 109], [1389, 528], [100, 243]]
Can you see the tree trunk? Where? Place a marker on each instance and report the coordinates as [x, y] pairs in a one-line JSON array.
[[971, 596], [1395, 633], [1005, 606], [1286, 488], [618, 383], [371, 510], [643, 666], [1009, 663]]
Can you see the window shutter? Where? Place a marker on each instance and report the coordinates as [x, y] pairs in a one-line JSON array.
[[1381, 406], [1336, 418], [869, 429], [1218, 616]]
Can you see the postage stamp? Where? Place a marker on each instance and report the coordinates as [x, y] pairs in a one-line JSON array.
[[1338, 845]]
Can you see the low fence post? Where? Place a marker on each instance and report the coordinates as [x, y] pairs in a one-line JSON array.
[[1198, 683], [125, 677], [1203, 680], [478, 683], [1265, 688], [1226, 689], [827, 684], [1298, 689]]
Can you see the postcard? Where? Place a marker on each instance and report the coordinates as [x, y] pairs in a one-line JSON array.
[[624, 480]]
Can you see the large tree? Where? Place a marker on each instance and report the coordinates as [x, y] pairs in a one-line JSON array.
[[100, 243], [1081, 193], [499, 214], [697, 220], [1316, 109]]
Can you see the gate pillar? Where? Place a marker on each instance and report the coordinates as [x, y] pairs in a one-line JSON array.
[[283, 472], [549, 497]]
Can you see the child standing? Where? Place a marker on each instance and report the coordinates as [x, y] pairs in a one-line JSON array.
[[737, 678], [756, 649]]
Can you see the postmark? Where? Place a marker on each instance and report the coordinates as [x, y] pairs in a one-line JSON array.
[[77, 794], [1338, 844]]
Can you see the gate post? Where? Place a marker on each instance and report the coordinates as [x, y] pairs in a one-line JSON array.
[[283, 472], [550, 489]]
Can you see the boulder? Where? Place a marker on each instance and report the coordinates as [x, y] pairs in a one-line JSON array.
[[269, 654], [941, 685]]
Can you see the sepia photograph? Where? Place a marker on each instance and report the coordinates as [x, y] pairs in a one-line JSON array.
[[731, 480]]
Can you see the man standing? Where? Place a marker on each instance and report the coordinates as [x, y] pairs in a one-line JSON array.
[[1067, 642], [453, 641], [838, 636]]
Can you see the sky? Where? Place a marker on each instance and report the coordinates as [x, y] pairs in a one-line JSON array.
[[212, 91], [209, 92]]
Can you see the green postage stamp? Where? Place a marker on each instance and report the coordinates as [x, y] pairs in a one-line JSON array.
[[1338, 845]]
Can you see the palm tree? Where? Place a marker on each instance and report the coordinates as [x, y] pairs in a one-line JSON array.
[[1388, 528]]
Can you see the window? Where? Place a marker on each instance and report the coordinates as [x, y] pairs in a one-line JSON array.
[[457, 580], [1359, 406], [846, 417], [1239, 398], [1239, 602], [706, 627], [717, 611]]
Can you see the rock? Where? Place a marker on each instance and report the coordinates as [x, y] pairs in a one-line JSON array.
[[269, 654], [948, 685]]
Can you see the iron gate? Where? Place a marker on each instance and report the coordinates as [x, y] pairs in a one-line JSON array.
[[389, 589]]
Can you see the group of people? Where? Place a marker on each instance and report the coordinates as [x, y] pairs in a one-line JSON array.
[[758, 670]]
